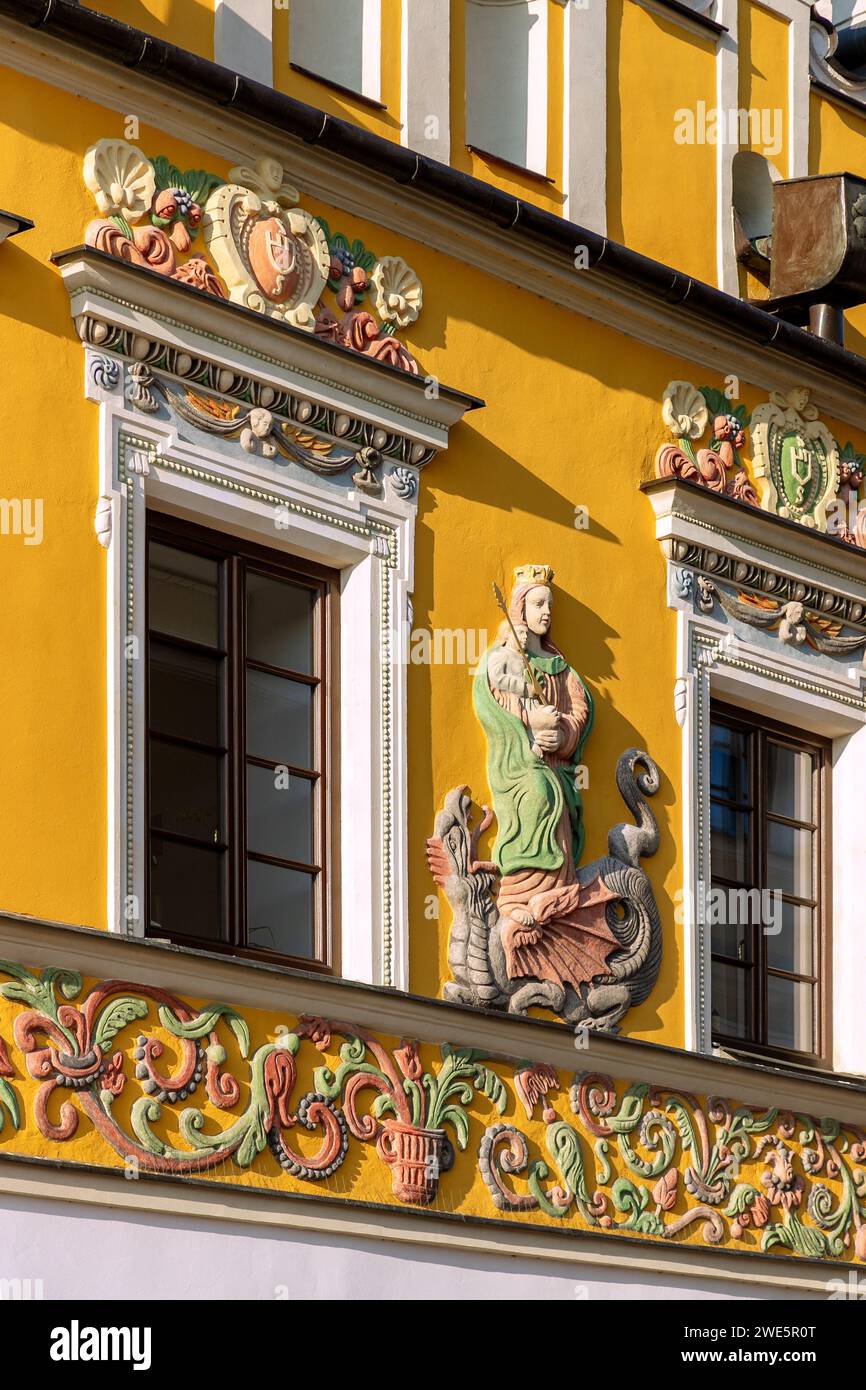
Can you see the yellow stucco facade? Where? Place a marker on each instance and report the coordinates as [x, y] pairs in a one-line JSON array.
[[548, 470]]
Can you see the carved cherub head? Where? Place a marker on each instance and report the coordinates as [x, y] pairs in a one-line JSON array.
[[508, 639]]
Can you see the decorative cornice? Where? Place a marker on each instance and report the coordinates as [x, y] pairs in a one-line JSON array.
[[769, 553], [204, 104], [284, 990], [239, 353], [11, 224], [827, 75], [709, 560]]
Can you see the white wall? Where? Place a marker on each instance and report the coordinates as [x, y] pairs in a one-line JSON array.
[[90, 1253]]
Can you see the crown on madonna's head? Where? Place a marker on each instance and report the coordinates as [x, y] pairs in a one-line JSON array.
[[533, 574]]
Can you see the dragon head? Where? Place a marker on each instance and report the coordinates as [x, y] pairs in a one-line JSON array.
[[452, 849]]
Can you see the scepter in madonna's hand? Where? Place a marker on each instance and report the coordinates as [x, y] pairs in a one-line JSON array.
[[531, 677]]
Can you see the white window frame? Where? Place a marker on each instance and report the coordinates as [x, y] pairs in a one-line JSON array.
[[797, 14], [827, 698], [307, 26], [243, 38], [535, 159], [145, 467]]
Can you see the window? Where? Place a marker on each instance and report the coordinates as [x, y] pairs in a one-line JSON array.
[[340, 42], [506, 80], [237, 746], [768, 818]]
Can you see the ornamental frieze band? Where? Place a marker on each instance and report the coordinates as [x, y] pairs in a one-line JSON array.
[[136, 1078]]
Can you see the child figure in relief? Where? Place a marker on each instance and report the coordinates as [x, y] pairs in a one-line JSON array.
[[553, 928]]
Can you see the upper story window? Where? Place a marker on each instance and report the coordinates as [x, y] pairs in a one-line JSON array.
[[237, 744], [506, 80], [339, 41], [768, 821]]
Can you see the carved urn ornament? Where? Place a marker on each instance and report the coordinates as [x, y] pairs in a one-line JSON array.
[[533, 927]]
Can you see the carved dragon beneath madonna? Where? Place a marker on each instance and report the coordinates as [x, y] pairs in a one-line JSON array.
[[585, 941]]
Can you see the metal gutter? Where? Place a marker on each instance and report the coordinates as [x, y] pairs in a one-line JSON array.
[[132, 48]]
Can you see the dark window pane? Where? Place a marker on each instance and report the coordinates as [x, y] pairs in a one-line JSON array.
[[789, 782], [183, 594], [792, 948], [185, 791], [185, 690], [729, 843], [279, 814], [280, 623], [790, 1014], [279, 909], [731, 1002], [729, 763], [186, 893], [279, 719], [789, 859], [729, 913]]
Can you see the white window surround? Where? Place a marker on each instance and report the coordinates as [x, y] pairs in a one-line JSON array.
[[715, 659], [797, 15], [243, 37], [339, 41], [145, 461], [425, 67], [506, 80], [426, 87], [584, 115], [144, 466]]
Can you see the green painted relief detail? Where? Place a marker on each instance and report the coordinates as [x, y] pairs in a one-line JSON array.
[[528, 795], [8, 1105]]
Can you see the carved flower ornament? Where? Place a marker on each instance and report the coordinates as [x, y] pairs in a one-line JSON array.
[[399, 297], [121, 179], [784, 1186]]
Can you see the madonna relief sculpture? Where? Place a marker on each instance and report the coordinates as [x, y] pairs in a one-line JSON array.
[[584, 942]]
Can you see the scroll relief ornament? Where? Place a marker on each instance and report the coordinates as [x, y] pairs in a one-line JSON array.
[[532, 927], [261, 249], [206, 1094], [687, 412]]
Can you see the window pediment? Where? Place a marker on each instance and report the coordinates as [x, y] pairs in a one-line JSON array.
[[719, 536], [231, 371]]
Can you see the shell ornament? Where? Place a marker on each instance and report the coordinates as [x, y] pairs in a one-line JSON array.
[[398, 295], [121, 179], [684, 410]]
